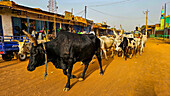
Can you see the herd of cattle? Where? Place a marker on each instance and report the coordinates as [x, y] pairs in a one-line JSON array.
[[124, 45], [68, 48]]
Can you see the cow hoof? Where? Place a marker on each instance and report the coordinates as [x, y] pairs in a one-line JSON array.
[[106, 59], [130, 56], [73, 76], [81, 79], [101, 74], [66, 89]]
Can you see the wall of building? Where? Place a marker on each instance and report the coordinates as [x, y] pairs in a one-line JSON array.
[[7, 24], [167, 22], [162, 32]]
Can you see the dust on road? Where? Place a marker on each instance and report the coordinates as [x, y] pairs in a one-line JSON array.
[[146, 75]]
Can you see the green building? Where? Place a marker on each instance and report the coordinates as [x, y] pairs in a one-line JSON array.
[[165, 20]]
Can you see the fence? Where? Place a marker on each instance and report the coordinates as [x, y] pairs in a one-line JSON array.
[[160, 36]]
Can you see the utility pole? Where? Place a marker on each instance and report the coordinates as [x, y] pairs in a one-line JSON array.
[[85, 11], [72, 11], [146, 21], [53, 8], [164, 23], [55, 25]]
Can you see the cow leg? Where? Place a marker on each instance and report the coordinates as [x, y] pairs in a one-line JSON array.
[[125, 53], [101, 52], [122, 54], [140, 51], [134, 51], [104, 51], [100, 61], [93, 60], [112, 55], [86, 62], [143, 48], [65, 73], [67, 87], [131, 53]]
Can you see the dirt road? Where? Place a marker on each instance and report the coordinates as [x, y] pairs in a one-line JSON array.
[[146, 75]]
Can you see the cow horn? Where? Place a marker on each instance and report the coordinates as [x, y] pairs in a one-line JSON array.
[[33, 40]]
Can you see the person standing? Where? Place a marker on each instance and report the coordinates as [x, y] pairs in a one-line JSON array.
[[74, 31], [79, 32]]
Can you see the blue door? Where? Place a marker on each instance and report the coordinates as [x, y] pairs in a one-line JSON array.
[[37, 25], [76, 28], [1, 30], [16, 22]]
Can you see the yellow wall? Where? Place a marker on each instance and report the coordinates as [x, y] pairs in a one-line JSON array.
[[162, 23]]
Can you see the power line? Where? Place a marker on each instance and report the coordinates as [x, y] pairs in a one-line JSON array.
[[82, 14], [79, 12], [150, 21], [102, 12], [109, 3], [115, 16]]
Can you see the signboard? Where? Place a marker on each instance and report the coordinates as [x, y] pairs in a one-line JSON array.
[[68, 15], [98, 24], [80, 19]]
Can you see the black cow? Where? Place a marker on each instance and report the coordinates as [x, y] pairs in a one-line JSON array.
[[64, 51], [124, 46], [128, 45]]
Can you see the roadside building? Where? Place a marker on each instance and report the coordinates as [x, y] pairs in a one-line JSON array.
[[151, 30], [102, 29], [164, 24], [29, 19]]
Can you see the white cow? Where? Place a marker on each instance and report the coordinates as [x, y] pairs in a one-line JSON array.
[[107, 43], [143, 42]]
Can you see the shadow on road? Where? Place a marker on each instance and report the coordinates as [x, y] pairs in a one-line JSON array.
[[10, 63], [167, 42], [92, 68]]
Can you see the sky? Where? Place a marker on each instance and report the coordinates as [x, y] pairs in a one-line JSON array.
[[128, 13]]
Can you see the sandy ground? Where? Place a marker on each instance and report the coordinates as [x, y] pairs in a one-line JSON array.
[[146, 75]]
